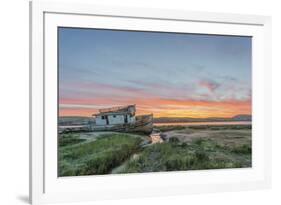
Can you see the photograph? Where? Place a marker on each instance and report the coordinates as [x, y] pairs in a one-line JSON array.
[[132, 101]]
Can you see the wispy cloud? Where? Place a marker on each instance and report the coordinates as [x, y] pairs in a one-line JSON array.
[[165, 74], [209, 84]]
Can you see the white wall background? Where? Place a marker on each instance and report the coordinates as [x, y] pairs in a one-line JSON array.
[[14, 100]]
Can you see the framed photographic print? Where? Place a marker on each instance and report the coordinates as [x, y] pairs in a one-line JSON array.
[[129, 102]]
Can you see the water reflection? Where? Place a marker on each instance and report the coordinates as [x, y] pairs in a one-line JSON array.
[[156, 138]]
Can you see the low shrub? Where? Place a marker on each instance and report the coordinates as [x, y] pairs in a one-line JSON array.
[[201, 156], [174, 140], [243, 149]]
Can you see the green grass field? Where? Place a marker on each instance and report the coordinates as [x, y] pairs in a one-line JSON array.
[[197, 155], [96, 157], [186, 148]]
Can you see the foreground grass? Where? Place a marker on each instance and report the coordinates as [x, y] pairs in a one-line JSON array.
[[187, 148], [197, 155], [96, 157], [69, 139]]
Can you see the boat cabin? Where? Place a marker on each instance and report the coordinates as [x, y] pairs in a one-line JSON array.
[[116, 116]]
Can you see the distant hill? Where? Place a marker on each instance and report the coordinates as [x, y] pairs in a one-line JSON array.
[[209, 119], [242, 118]]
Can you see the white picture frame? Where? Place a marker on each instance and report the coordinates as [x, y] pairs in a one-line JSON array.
[[46, 187]]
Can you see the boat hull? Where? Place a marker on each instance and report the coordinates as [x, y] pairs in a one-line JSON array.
[[143, 124]]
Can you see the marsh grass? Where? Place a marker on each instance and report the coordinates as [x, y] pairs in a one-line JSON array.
[[213, 147], [97, 157], [69, 139], [197, 155], [165, 128], [220, 127], [242, 149]]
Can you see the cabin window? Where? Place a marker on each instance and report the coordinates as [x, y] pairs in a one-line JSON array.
[[114, 116], [102, 117]]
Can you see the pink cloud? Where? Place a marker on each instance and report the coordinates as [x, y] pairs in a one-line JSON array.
[[210, 85]]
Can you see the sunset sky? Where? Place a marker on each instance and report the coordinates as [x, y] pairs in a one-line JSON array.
[[167, 74]]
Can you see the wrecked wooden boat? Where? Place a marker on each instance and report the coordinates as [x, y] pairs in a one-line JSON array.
[[118, 119], [122, 119]]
